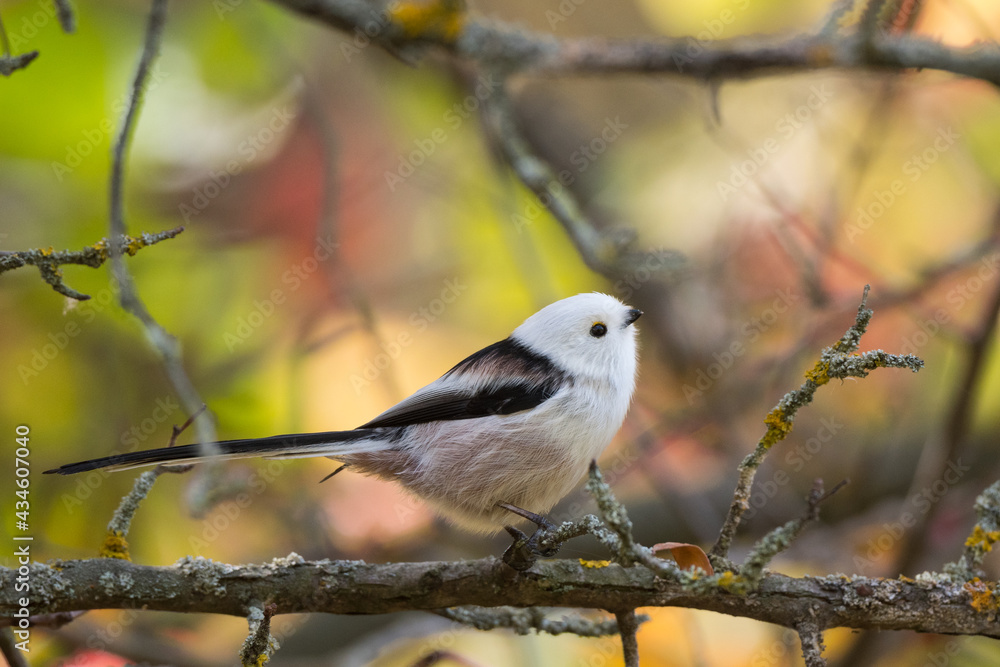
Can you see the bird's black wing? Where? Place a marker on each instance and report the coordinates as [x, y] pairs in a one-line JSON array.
[[501, 379]]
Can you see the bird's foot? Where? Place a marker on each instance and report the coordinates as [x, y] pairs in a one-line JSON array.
[[525, 550]]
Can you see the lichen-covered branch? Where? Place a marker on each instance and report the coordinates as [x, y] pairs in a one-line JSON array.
[[840, 360], [984, 535], [259, 645], [352, 587], [48, 260], [115, 544], [782, 537], [811, 637]]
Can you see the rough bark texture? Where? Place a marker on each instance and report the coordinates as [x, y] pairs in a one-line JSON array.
[[355, 587]]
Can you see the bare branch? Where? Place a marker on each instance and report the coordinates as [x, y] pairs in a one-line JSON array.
[[512, 49], [67, 19], [10, 64], [629, 626], [598, 251], [781, 538], [161, 340], [8, 649]]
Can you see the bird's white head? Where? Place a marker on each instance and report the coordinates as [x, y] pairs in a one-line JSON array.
[[589, 335]]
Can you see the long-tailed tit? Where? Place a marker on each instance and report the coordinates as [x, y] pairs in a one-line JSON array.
[[516, 423]]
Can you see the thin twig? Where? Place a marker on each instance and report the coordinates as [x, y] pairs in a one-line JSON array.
[[837, 361], [115, 543], [782, 537], [956, 429], [4, 40], [628, 626], [161, 340], [46, 620], [8, 648], [49, 261], [984, 535], [598, 252], [67, 19]]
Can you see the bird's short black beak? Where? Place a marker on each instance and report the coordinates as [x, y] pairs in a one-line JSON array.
[[633, 315]]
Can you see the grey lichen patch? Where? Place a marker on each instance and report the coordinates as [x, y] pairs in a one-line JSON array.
[[206, 574], [980, 542], [864, 593], [289, 560], [524, 621], [116, 583], [48, 581], [260, 645], [338, 573], [935, 578]]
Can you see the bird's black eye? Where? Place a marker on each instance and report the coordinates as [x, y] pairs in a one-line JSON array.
[[598, 330]]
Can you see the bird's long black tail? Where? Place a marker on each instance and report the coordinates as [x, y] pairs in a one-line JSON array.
[[298, 445]]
